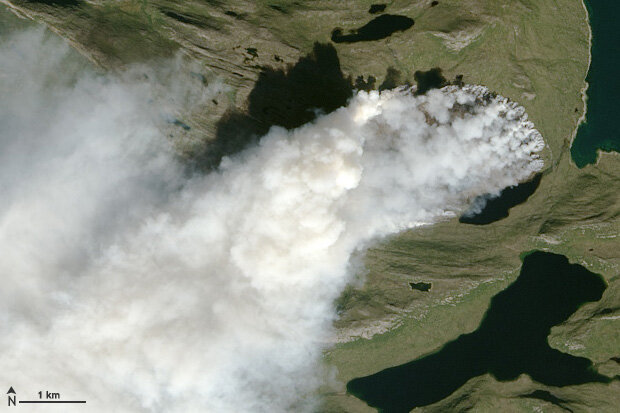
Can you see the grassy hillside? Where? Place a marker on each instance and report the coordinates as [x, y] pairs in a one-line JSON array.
[[530, 51]]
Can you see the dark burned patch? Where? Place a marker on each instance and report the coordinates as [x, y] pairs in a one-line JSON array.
[[499, 207], [284, 97], [377, 8], [231, 13], [434, 3], [430, 79], [377, 29], [421, 286]]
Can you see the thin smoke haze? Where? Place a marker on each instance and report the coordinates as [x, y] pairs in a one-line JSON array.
[[138, 289]]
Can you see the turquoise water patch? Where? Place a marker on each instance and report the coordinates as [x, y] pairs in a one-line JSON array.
[[601, 130]]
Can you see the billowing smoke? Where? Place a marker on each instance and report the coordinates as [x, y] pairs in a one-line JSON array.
[[131, 286]]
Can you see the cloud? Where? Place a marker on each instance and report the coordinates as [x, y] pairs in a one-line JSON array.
[[132, 286]]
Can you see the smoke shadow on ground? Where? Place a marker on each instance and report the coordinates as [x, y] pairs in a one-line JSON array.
[[430, 79], [293, 96], [287, 98], [393, 79], [511, 340], [498, 208], [376, 29]]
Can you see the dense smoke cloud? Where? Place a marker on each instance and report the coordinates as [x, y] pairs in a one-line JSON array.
[[129, 285]]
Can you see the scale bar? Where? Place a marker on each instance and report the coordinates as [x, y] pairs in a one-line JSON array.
[[52, 401]]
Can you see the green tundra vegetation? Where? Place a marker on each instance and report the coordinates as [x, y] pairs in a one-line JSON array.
[[535, 52]]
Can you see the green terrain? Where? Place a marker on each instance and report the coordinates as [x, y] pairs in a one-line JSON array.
[[535, 52]]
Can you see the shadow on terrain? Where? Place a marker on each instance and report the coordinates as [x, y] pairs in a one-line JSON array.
[[287, 98], [366, 85], [291, 97], [376, 29], [393, 79], [547, 397], [497, 208], [511, 340], [430, 79], [61, 3], [186, 18]]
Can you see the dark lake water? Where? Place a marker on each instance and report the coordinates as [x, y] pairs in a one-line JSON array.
[[376, 29], [377, 8], [601, 130], [499, 207], [511, 340]]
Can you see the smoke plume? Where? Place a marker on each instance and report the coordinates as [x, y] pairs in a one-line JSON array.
[[127, 284]]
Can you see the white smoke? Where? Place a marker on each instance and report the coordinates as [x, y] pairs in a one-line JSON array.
[[137, 289]]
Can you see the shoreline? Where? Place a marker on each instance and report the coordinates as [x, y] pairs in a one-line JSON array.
[[584, 89], [584, 92], [600, 153]]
